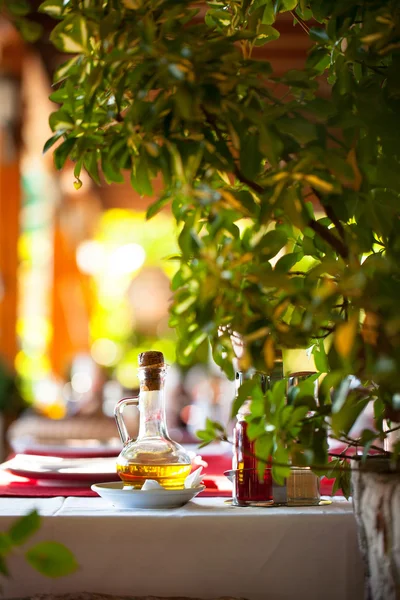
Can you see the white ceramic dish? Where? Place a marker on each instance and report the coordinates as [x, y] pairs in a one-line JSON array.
[[149, 499], [84, 470]]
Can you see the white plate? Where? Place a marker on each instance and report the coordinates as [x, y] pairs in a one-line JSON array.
[[120, 498], [70, 449], [85, 470]]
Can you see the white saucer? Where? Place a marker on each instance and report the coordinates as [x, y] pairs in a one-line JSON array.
[[120, 498]]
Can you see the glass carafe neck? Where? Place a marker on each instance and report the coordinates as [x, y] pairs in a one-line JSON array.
[[152, 403]]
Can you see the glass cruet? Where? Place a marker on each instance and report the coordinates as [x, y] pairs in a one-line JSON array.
[[152, 455]]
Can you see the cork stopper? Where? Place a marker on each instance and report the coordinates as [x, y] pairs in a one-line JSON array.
[[152, 358], [151, 370]]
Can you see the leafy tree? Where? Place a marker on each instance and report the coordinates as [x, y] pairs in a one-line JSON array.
[[288, 202]]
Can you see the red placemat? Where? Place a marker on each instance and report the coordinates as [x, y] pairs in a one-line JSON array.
[[213, 478], [12, 485]]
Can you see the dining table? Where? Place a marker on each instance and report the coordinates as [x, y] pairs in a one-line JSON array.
[[206, 549]]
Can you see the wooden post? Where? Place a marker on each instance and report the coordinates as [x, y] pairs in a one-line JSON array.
[[11, 53]]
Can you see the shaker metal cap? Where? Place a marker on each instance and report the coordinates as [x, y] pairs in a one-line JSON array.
[[152, 358]]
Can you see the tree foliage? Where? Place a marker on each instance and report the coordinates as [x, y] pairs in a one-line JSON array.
[[288, 199]]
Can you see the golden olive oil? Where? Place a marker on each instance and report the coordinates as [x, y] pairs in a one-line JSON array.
[[171, 477]]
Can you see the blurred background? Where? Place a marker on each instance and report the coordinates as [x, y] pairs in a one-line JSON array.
[[84, 278]]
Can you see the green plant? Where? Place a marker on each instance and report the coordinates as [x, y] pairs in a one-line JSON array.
[[20, 11], [49, 558], [11, 401], [287, 200]]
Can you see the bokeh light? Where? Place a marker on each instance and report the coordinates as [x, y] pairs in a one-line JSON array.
[[105, 352], [90, 257]]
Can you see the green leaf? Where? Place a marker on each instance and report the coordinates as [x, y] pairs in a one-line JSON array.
[[52, 559], [214, 426], [250, 156], [90, 162], [213, 431], [278, 395], [271, 243], [52, 141], [65, 70], [280, 473], [53, 8], [262, 449], [19, 8], [61, 121], [293, 208], [245, 392], [30, 30], [301, 130], [288, 5], [344, 418], [336, 485], [71, 35], [183, 304], [320, 357], [318, 59], [3, 567], [156, 207], [206, 436], [255, 427], [288, 261], [345, 482], [266, 33], [62, 153], [140, 177], [194, 342], [246, 199], [24, 528], [296, 417], [317, 34], [5, 543], [268, 15], [270, 145], [321, 108], [112, 173]]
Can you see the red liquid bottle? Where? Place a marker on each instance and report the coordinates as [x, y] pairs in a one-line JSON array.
[[248, 488]]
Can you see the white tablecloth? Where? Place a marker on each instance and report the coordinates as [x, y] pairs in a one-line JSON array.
[[205, 549]]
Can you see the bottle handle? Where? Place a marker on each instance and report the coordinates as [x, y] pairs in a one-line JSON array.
[[122, 430]]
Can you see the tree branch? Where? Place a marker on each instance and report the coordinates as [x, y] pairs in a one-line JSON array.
[[393, 429], [236, 171], [322, 231], [331, 214], [329, 237], [300, 22], [357, 443]]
